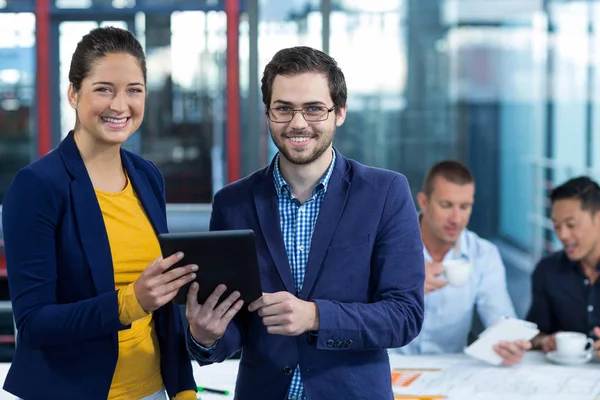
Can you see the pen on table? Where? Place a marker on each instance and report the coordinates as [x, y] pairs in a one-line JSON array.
[[210, 390]]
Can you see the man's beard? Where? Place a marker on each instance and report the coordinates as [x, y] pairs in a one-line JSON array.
[[299, 157]]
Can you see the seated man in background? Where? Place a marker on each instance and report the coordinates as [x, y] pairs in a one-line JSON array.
[[446, 201], [565, 285]]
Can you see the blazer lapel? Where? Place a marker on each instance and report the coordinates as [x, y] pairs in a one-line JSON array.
[[327, 221], [147, 197], [265, 200], [89, 219]]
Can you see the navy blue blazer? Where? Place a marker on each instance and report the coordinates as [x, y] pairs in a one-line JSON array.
[[365, 271], [61, 281]]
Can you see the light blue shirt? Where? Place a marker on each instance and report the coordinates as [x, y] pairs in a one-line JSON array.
[[449, 310], [297, 226]]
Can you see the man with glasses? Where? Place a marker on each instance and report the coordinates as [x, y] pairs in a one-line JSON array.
[[339, 248]]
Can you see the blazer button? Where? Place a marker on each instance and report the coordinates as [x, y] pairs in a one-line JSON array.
[[349, 343], [329, 343], [288, 370], [337, 343]]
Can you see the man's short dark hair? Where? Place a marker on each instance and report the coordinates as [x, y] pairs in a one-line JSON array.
[[302, 59], [581, 188], [451, 170]]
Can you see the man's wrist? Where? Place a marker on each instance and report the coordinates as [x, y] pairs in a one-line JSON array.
[[536, 342], [203, 347], [203, 343], [315, 320], [198, 350]]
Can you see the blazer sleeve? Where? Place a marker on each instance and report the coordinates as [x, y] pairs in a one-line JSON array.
[[31, 214], [232, 340], [395, 316]]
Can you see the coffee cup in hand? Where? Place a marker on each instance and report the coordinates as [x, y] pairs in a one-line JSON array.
[[458, 272], [573, 344]]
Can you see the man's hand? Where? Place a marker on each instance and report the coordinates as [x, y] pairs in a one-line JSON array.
[[285, 314], [512, 352], [546, 343], [597, 342], [432, 271], [208, 321]]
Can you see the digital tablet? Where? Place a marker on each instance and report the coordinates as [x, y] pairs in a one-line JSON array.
[[227, 257]]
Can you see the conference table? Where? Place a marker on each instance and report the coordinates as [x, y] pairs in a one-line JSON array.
[[452, 377]]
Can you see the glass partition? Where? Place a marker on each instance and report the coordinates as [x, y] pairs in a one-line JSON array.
[[17, 94], [375, 67], [183, 132]]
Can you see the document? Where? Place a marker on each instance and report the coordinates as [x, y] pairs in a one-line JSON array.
[[508, 330], [521, 382]]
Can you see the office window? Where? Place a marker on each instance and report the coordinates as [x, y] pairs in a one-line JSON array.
[[594, 136], [17, 5], [498, 78], [17, 94], [183, 131], [83, 4], [569, 82], [375, 67]]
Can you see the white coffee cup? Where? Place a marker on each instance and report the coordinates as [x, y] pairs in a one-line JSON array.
[[457, 271], [573, 344]]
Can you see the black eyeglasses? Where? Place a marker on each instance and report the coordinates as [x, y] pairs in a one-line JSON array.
[[310, 113]]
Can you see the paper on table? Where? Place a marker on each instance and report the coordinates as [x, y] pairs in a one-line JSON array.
[[406, 376], [521, 382], [508, 330]]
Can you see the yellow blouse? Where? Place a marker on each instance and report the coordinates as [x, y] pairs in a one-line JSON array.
[[133, 245]]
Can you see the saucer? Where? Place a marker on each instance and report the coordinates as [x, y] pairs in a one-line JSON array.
[[562, 360]]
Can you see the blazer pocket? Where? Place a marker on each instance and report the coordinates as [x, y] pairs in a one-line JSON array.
[[349, 243]]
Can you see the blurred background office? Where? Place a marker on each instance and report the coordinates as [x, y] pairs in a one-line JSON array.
[[509, 87]]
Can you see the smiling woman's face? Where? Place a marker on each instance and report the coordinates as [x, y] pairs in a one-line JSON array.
[[110, 103]]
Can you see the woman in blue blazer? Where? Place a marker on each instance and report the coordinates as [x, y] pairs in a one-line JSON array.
[[90, 295]]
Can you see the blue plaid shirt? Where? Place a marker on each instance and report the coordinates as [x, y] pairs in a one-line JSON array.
[[297, 226]]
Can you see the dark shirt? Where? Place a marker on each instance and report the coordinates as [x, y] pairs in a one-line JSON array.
[[563, 297]]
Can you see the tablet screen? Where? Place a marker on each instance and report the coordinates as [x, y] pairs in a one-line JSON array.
[[227, 257]]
